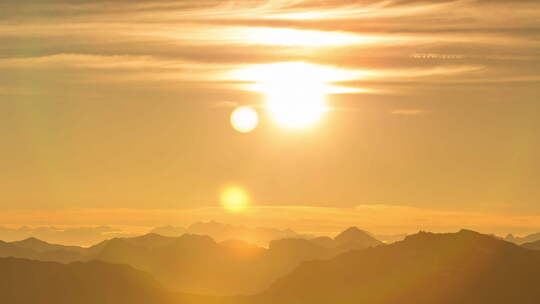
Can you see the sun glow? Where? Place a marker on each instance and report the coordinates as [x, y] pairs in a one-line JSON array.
[[295, 105], [244, 119], [294, 37], [234, 198], [295, 91]]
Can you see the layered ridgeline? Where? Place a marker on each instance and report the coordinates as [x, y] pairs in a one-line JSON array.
[[222, 232], [532, 245], [531, 238], [455, 268], [88, 236], [35, 249], [198, 264], [258, 236], [461, 268]]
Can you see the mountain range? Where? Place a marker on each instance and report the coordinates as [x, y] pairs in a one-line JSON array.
[[76, 236], [88, 236], [522, 240], [199, 264], [35, 249], [532, 245], [453, 268], [464, 267], [221, 232]]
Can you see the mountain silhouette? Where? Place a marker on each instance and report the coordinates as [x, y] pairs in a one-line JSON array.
[[522, 240], [464, 267], [196, 263], [42, 246], [200, 265], [426, 268], [169, 230], [354, 238], [223, 232], [78, 236], [532, 245], [35, 249], [323, 241], [32, 282]]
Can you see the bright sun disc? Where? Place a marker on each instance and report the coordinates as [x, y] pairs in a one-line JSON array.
[[295, 105], [244, 119], [295, 91], [234, 198]]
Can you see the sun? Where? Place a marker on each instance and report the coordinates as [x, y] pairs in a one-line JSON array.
[[294, 105], [234, 198], [244, 119], [295, 92]]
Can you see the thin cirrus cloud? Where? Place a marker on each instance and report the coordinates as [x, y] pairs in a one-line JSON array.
[[171, 39], [129, 69]]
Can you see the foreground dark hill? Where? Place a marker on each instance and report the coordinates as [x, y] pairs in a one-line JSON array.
[[456, 268], [34, 282]]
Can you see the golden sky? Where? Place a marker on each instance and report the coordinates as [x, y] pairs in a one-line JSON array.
[[123, 105]]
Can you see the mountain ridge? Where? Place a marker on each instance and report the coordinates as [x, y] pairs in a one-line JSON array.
[[462, 267]]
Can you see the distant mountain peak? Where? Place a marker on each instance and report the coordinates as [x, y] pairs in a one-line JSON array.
[[34, 243], [351, 234], [469, 232], [195, 241], [32, 240], [352, 229], [355, 238], [462, 239], [150, 236]]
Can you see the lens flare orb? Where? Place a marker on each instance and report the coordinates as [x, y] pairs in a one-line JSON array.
[[244, 119], [234, 198]]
